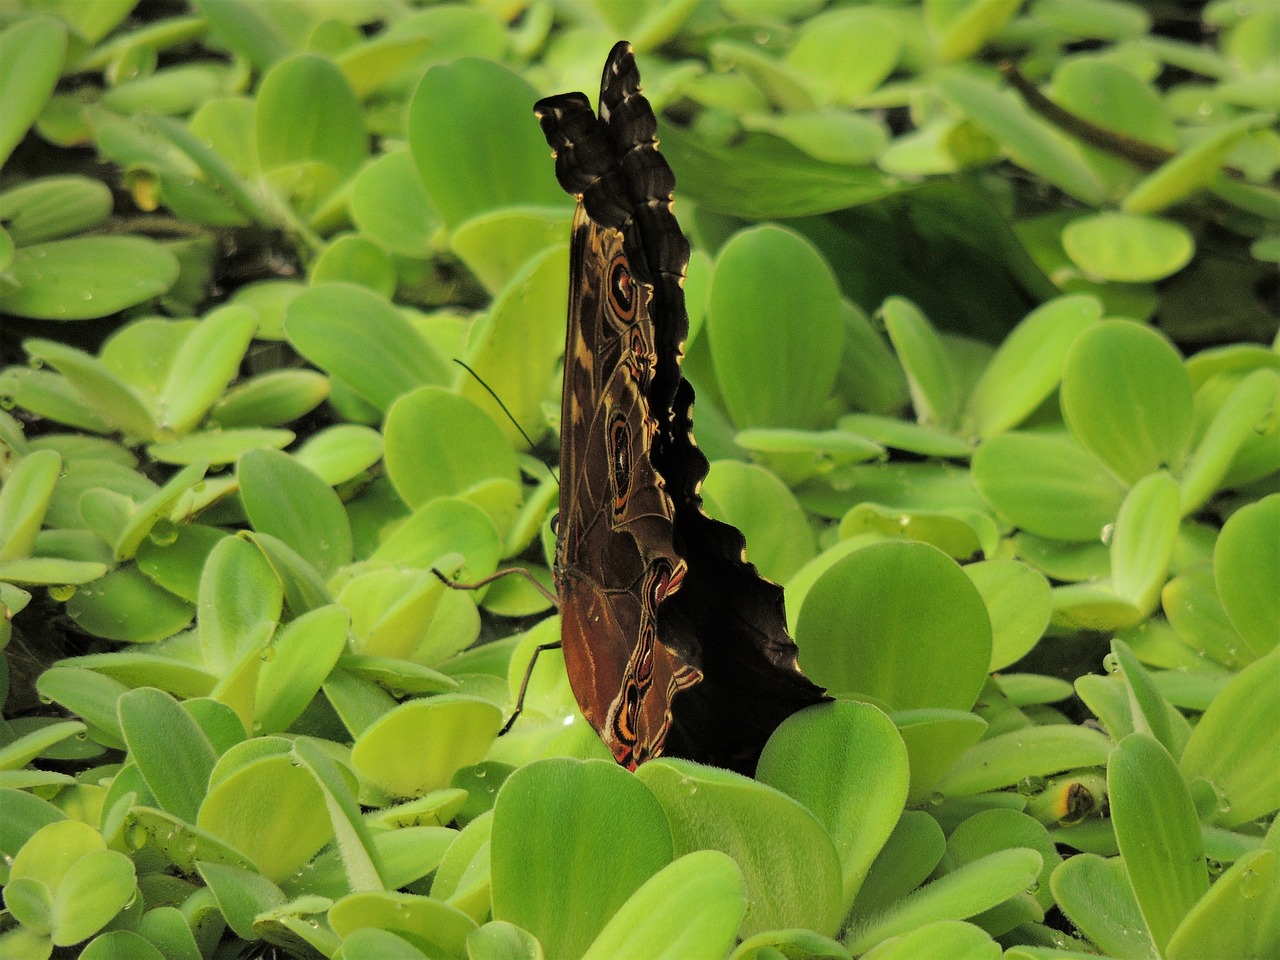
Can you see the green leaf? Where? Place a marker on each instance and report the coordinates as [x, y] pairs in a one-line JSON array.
[[24, 499], [777, 81], [400, 676], [241, 894], [219, 446], [495, 245], [341, 452], [441, 444], [17, 753], [109, 396], [304, 590], [126, 605], [391, 610], [1127, 247], [847, 764], [355, 259], [1149, 711], [1127, 398], [421, 744], [899, 622], [299, 659], [25, 813], [870, 377], [271, 399], [167, 929], [361, 339], [31, 58], [66, 883], [690, 909], [444, 526], [1097, 897], [362, 866], [48, 208], [1105, 92], [1238, 917], [181, 843], [240, 602], [374, 942], [434, 927], [172, 752], [991, 830], [463, 878], [1146, 532], [94, 890], [832, 136], [1158, 834], [291, 823], [171, 90], [475, 143], [759, 177], [789, 862], [793, 942], [121, 945], [964, 893], [565, 887], [143, 669], [957, 533], [1031, 142], [767, 327], [1004, 759], [517, 345], [51, 395], [1192, 169], [377, 60], [1019, 604], [1100, 19], [1086, 606], [90, 696], [926, 440], [1247, 572], [796, 455], [930, 373], [1233, 744], [176, 565], [285, 499], [226, 200], [960, 29], [80, 278], [818, 52], [207, 361], [1240, 415], [151, 515], [954, 939], [1028, 365], [760, 505], [262, 33], [935, 738], [307, 111]]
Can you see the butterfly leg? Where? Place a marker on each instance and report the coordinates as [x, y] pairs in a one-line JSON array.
[[524, 684], [485, 581]]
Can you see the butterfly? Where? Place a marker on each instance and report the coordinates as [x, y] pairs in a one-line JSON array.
[[673, 643]]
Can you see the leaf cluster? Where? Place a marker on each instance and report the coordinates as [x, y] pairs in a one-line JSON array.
[[982, 303]]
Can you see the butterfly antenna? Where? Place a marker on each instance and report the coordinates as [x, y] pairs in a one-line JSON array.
[[498, 401]]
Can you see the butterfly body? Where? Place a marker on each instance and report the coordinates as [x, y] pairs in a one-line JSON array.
[[673, 642]]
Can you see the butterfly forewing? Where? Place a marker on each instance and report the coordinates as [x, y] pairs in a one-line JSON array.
[[615, 563]]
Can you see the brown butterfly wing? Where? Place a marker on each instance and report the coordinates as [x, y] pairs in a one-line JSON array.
[[615, 562], [724, 670]]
